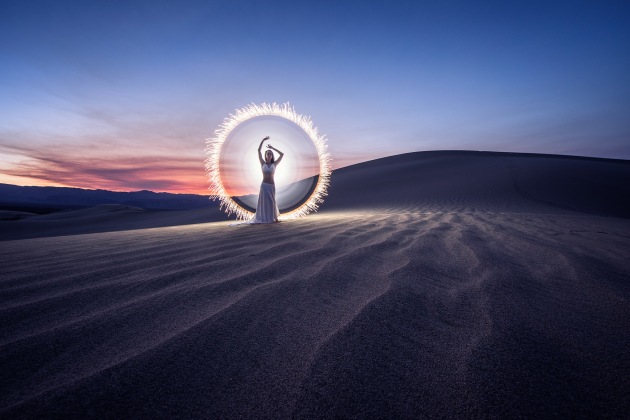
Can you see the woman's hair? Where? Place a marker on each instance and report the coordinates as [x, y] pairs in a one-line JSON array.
[[273, 157]]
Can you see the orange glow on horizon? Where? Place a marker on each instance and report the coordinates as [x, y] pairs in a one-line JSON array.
[[78, 168], [186, 181], [190, 184]]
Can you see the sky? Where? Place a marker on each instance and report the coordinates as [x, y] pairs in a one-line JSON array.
[[121, 95]]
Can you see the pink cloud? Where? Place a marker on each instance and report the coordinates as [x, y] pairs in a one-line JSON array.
[[73, 168]]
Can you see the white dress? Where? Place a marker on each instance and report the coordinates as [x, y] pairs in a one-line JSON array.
[[267, 209]]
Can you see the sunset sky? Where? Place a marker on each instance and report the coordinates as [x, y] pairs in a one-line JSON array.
[[121, 95]]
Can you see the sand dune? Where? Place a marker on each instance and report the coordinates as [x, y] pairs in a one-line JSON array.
[[101, 218], [486, 181], [452, 296], [11, 215], [430, 181]]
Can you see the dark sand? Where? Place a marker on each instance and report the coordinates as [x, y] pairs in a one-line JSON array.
[[430, 285], [102, 218]]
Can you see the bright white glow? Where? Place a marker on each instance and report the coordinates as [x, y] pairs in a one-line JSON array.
[[239, 166], [215, 144]]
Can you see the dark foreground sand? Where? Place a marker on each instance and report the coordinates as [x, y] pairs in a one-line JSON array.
[[493, 296]]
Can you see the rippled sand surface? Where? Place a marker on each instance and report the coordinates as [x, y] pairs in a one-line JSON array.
[[389, 311]]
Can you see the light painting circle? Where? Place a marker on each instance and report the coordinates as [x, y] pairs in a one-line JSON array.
[[215, 144]]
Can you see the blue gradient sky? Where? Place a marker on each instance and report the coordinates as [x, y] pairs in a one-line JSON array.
[[121, 94]]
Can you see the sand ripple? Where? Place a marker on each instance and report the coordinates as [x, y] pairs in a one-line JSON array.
[[383, 312]]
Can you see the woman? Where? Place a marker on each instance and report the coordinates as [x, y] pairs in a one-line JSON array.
[[267, 209]]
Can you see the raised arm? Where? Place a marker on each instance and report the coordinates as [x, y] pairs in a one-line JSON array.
[[260, 157], [277, 162]]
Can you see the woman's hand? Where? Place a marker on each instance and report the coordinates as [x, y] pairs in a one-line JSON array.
[[261, 143]]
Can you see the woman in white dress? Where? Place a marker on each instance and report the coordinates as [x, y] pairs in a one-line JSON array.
[[267, 209]]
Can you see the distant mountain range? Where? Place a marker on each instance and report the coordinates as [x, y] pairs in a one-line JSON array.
[[42, 200], [49, 199]]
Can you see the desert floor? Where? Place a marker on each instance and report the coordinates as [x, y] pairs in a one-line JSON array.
[[430, 285]]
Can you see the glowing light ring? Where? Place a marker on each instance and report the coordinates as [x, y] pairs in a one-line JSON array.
[[213, 153]]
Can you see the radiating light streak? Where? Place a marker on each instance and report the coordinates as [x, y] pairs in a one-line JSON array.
[[215, 144]]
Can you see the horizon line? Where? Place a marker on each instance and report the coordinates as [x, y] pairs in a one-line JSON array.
[[621, 160]]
